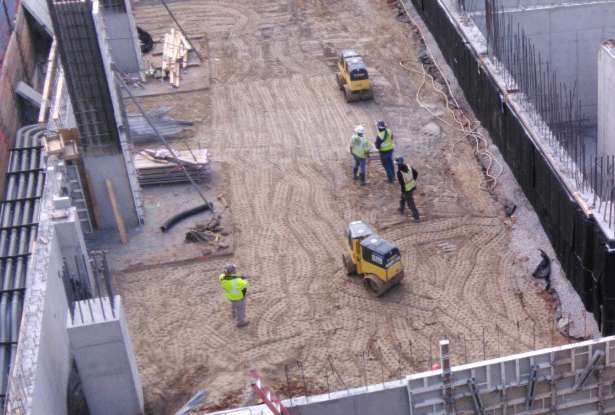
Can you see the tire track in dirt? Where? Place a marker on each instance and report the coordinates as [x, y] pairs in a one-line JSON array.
[[281, 125]]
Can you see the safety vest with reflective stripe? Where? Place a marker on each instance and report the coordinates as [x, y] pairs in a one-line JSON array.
[[387, 140], [233, 286], [409, 182], [360, 146]]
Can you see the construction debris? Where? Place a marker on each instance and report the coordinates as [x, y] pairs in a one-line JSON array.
[[210, 232], [161, 167], [141, 131], [174, 56], [222, 200], [543, 270]]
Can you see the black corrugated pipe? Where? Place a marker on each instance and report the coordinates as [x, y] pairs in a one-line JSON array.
[[174, 220]]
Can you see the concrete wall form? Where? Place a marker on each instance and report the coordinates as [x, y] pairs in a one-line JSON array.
[[478, 6], [501, 384]]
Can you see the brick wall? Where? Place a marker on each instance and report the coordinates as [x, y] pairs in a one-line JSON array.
[[18, 65]]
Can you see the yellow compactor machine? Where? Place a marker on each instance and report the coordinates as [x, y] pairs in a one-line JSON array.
[[352, 76], [377, 261]]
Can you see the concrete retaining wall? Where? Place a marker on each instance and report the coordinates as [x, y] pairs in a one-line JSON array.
[[583, 241], [606, 99], [39, 375], [568, 37]]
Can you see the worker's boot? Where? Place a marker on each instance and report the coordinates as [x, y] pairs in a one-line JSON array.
[[363, 179], [355, 175]]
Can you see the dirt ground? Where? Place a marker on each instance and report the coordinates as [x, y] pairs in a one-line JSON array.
[[274, 115]]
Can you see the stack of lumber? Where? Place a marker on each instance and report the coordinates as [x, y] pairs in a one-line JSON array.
[[174, 56], [156, 167]]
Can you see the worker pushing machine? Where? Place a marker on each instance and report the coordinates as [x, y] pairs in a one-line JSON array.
[[406, 176], [384, 144], [359, 148], [235, 288]]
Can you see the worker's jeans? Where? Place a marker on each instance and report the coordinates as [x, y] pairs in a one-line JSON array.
[[408, 198], [239, 311], [359, 164], [387, 162]]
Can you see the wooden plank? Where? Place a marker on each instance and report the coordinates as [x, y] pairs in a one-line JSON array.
[[119, 220], [59, 88], [49, 77], [163, 65], [186, 43]]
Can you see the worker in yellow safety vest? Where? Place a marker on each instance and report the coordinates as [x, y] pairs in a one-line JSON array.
[[360, 148], [406, 176], [235, 288], [384, 144]]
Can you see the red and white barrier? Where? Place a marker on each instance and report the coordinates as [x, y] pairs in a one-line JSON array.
[[267, 396]]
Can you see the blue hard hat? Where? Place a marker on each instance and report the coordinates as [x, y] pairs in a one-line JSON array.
[[399, 160]]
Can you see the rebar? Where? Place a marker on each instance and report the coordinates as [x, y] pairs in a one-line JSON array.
[[553, 106]]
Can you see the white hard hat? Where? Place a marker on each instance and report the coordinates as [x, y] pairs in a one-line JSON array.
[[359, 129]]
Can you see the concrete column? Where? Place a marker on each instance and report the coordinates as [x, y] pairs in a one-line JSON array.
[[606, 98], [101, 345]]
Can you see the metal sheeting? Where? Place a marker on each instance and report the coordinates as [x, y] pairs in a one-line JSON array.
[[19, 213], [140, 131], [586, 256]]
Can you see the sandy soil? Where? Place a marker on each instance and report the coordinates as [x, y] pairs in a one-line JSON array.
[[274, 115]]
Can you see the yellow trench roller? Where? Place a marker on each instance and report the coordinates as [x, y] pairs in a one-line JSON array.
[[371, 257]]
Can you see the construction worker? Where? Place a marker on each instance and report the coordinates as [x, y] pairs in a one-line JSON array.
[[235, 288], [406, 176], [359, 147], [384, 144]]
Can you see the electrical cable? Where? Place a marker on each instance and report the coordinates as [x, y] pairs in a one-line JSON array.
[[463, 123]]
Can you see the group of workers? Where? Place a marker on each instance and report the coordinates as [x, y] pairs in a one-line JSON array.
[[360, 148], [235, 285]]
